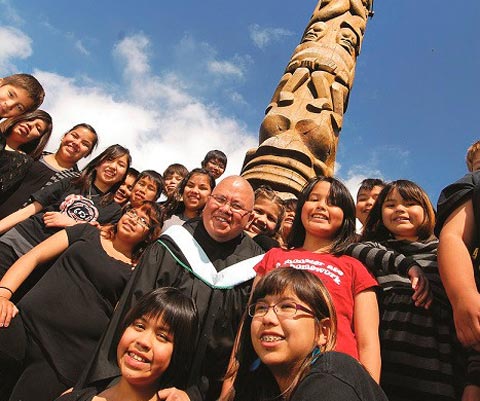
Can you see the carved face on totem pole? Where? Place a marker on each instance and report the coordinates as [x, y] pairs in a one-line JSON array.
[[299, 134]]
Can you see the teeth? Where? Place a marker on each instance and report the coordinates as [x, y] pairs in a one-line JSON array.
[[136, 357], [271, 339]]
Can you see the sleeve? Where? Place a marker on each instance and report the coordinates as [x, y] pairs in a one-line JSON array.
[[265, 265], [379, 260], [80, 231], [51, 194], [362, 278], [453, 196]]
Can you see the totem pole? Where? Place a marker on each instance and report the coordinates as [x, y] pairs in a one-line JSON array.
[[299, 135]]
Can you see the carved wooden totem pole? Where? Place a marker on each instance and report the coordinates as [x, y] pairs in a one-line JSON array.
[[299, 135]]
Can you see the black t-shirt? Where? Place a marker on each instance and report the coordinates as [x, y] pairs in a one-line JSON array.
[[39, 174], [338, 377], [63, 196], [68, 309]]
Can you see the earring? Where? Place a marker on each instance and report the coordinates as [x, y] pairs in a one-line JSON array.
[[315, 354], [255, 365]]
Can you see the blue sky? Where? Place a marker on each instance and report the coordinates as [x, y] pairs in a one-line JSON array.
[[171, 80]]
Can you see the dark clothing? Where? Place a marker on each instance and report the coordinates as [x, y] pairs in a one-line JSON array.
[[338, 377], [220, 310], [68, 309], [13, 168], [39, 175], [421, 358], [451, 197], [61, 196], [266, 242]]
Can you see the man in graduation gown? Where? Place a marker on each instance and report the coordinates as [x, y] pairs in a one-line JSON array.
[[210, 259]]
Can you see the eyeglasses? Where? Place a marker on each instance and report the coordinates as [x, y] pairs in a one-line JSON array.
[[284, 309], [235, 207], [138, 219]]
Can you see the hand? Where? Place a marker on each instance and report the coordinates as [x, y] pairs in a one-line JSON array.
[[466, 316], [57, 219], [422, 295], [173, 394], [471, 393], [8, 311]]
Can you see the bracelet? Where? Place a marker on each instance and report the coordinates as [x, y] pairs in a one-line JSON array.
[[6, 288]]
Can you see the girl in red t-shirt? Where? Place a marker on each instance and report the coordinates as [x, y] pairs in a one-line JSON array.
[[323, 227]]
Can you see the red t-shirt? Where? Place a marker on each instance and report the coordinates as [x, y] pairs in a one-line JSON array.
[[343, 276]]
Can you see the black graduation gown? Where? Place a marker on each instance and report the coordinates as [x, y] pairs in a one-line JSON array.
[[220, 310]]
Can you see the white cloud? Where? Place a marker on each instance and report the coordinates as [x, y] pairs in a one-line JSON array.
[[81, 48], [225, 67], [153, 115], [13, 44], [264, 36]]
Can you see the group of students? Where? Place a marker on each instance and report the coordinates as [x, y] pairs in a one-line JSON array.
[[331, 313]]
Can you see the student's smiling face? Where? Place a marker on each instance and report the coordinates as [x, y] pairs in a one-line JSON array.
[[14, 101]]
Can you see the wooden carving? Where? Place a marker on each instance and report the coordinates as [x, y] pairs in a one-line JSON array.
[[299, 135]]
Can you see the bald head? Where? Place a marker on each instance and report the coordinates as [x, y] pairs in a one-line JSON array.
[[229, 208]]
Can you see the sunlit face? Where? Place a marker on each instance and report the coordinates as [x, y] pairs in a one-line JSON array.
[[365, 202], [144, 352], [287, 223], [14, 101], [226, 220], [133, 226], [283, 343], [122, 195], [265, 217], [215, 167], [109, 172], [76, 144], [145, 189], [402, 217], [319, 217], [171, 183], [27, 131], [196, 192]]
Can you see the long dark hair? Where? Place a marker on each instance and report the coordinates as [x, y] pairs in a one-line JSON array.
[[155, 215], [375, 230], [259, 384], [339, 196], [35, 147], [179, 313], [174, 204], [87, 177]]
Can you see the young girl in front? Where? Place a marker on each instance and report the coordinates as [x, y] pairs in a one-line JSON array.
[[286, 344], [87, 198], [419, 356], [323, 227], [155, 351], [190, 199], [268, 212], [63, 316]]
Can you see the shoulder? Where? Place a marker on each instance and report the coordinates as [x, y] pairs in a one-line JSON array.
[[337, 376], [453, 195]]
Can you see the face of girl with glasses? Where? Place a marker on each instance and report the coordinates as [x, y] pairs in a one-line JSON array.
[[284, 332]]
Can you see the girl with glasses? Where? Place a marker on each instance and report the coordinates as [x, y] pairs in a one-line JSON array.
[[285, 348]]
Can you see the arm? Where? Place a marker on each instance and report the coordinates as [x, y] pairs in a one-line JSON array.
[[380, 260], [57, 219], [22, 214], [456, 270], [366, 318], [22, 268]]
